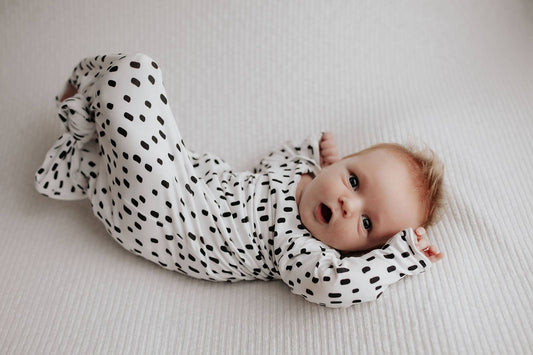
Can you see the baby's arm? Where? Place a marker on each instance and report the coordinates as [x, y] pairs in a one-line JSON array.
[[322, 276], [321, 149], [308, 149]]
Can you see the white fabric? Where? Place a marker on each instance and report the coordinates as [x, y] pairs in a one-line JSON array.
[[454, 74]]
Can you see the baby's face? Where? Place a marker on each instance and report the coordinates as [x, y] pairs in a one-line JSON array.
[[360, 202]]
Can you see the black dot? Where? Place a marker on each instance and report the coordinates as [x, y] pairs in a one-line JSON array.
[[112, 83], [135, 82], [110, 106], [163, 98], [151, 79], [135, 65], [122, 131]]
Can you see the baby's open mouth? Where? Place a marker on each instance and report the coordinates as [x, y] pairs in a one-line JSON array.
[[326, 213]]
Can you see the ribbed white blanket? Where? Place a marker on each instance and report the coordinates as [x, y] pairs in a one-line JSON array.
[[242, 77]]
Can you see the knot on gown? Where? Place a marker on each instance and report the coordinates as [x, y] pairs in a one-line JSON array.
[[74, 114], [64, 173]]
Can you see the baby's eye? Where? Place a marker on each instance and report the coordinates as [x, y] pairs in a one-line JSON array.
[[367, 223], [354, 181]]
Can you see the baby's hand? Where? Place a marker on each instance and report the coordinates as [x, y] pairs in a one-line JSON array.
[[328, 150], [423, 244]]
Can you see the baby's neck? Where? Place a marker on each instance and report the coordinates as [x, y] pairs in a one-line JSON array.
[[304, 181]]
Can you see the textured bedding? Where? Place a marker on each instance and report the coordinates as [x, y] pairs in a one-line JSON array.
[[241, 78]]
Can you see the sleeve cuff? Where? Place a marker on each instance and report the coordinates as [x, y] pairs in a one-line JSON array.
[[410, 238]]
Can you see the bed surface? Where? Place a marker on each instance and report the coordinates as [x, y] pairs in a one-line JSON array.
[[242, 77]]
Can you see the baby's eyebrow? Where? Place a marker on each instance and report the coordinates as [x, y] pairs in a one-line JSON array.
[[361, 176], [374, 218], [373, 214]]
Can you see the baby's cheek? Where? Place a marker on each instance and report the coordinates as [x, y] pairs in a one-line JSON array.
[[344, 232], [327, 188]]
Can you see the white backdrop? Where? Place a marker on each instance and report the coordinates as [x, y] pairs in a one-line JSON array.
[[242, 77]]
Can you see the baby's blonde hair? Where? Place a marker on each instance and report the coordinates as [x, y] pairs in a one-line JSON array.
[[428, 175]]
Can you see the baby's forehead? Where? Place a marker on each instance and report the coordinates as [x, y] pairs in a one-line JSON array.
[[379, 153], [384, 161]]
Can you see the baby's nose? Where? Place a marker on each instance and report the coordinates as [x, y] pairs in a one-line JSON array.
[[350, 206]]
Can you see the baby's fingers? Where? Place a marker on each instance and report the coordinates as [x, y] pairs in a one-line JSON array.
[[327, 136], [433, 254], [422, 244], [330, 152], [420, 231], [328, 143]]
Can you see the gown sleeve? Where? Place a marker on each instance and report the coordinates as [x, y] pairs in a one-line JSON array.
[[307, 150], [321, 275]]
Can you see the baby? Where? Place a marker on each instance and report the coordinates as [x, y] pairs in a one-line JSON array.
[[297, 216]]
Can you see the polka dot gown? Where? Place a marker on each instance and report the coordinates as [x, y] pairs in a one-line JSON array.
[[189, 212]]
